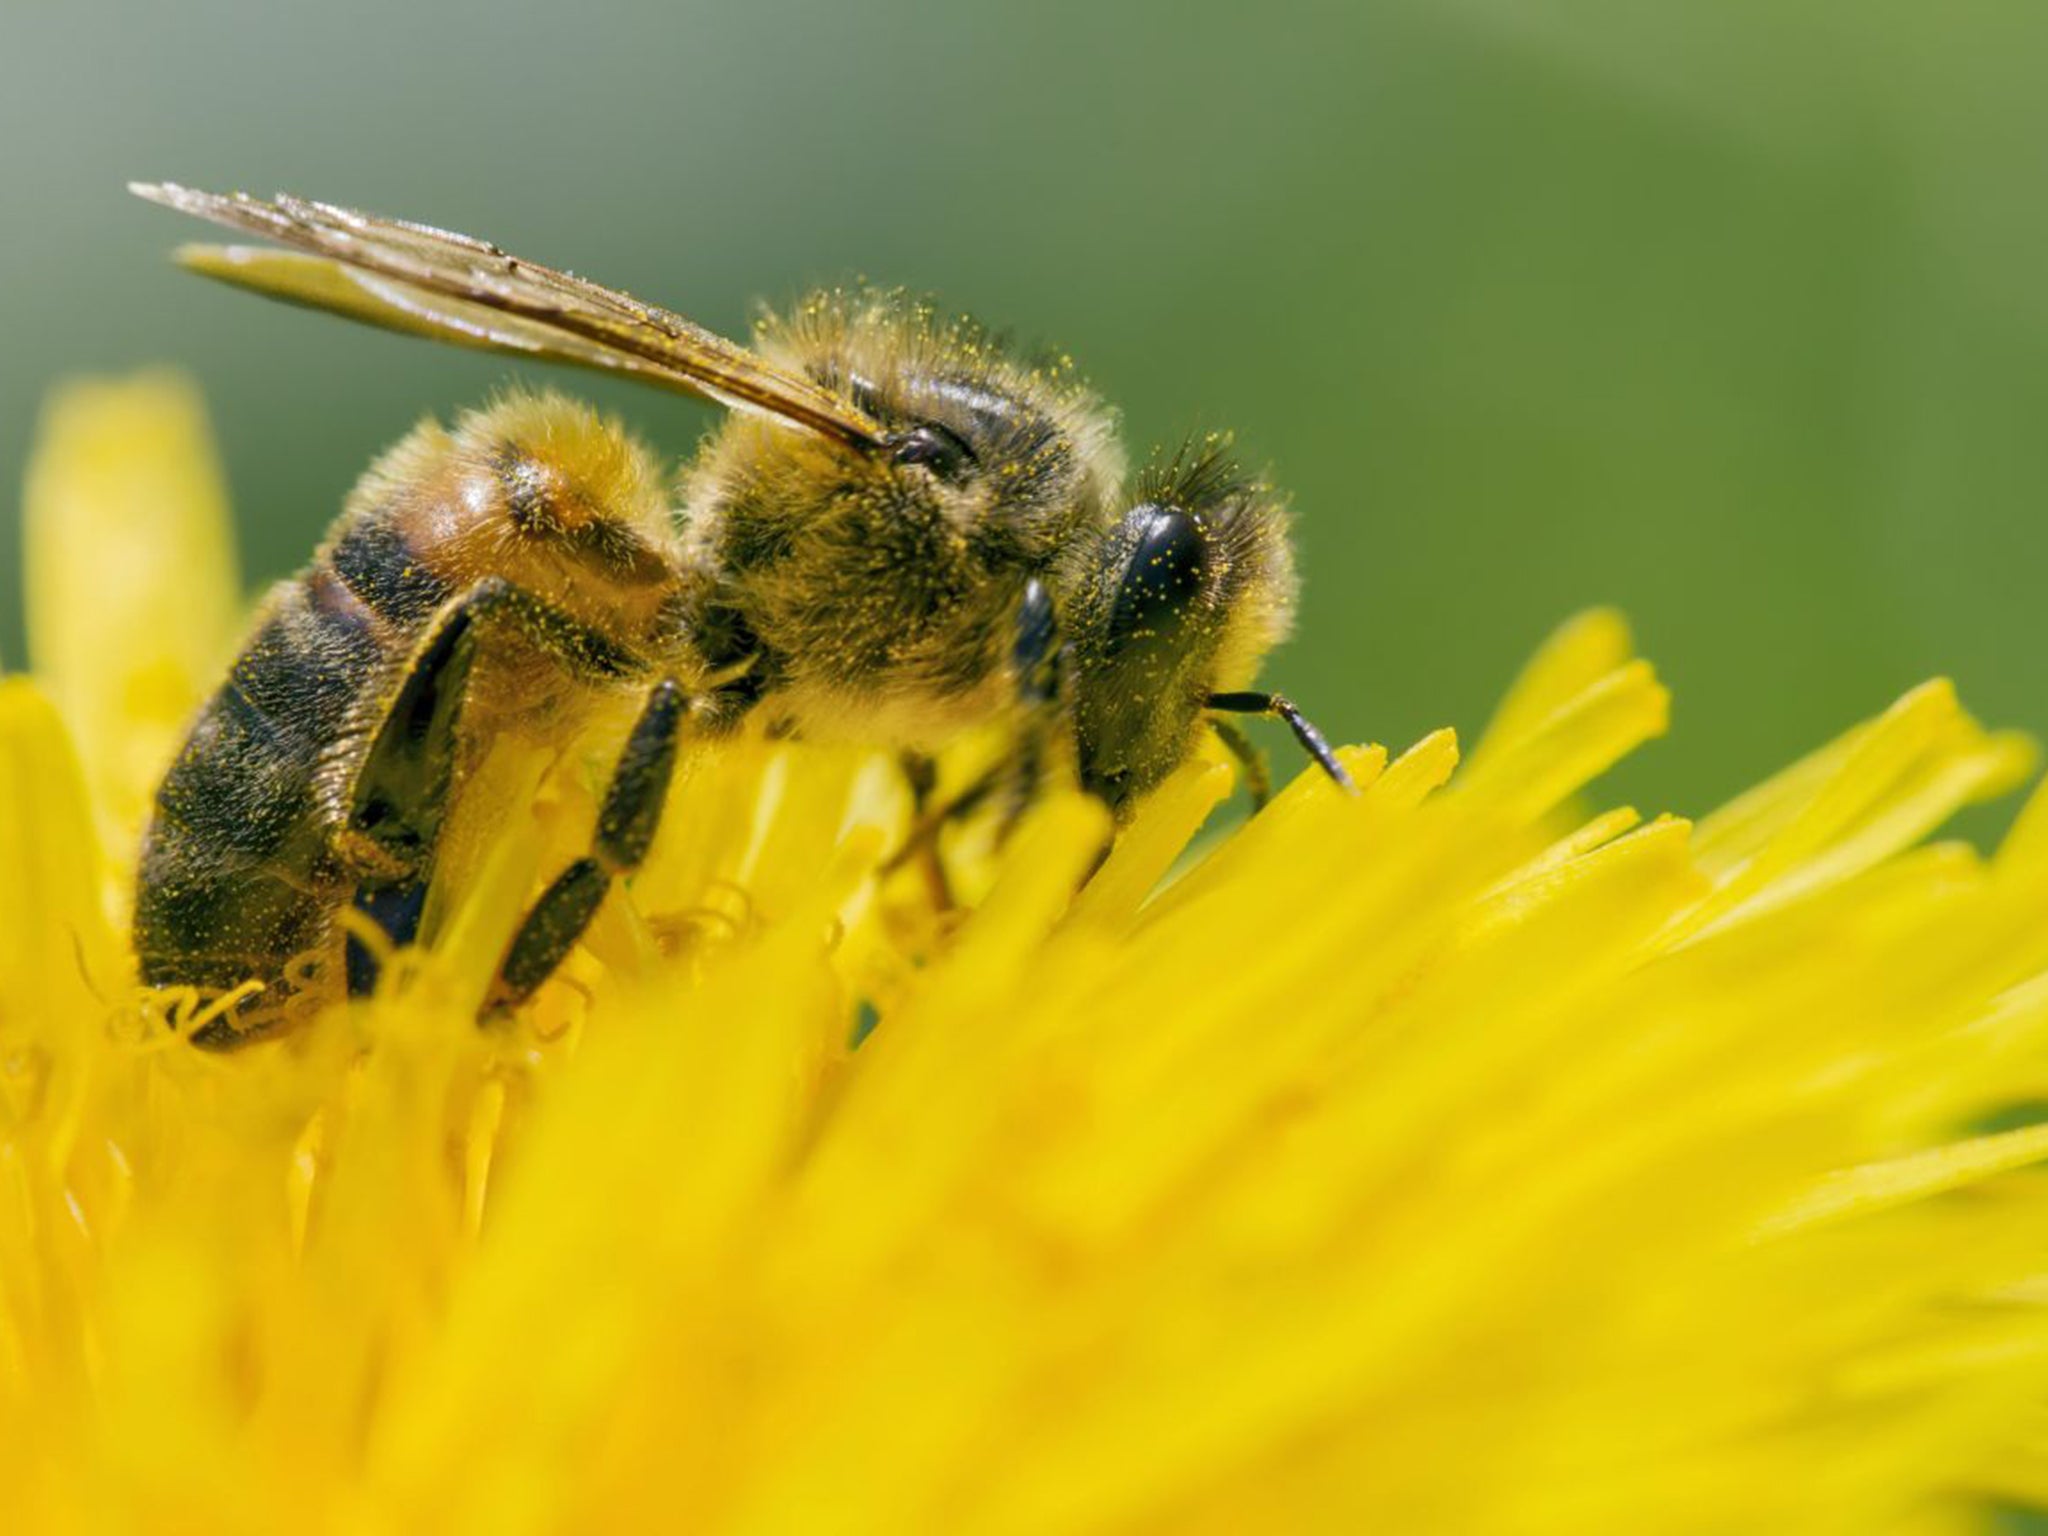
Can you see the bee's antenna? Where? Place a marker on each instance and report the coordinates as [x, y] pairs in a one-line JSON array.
[[1279, 706]]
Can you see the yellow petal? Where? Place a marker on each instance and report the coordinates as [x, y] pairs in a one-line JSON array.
[[133, 598], [1424, 1159]]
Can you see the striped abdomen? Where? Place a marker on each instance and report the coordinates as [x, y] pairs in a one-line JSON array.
[[243, 869], [237, 876]]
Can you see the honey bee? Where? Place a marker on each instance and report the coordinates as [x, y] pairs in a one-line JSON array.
[[900, 531]]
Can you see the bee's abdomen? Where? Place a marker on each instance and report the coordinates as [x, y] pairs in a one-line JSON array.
[[375, 560], [236, 879]]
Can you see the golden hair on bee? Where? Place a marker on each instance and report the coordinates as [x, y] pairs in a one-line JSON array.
[[903, 531], [881, 591], [535, 487]]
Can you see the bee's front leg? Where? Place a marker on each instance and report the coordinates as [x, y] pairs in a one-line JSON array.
[[1035, 660], [1252, 767], [921, 773]]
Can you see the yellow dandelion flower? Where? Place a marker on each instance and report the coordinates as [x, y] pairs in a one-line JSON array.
[[1437, 1159]]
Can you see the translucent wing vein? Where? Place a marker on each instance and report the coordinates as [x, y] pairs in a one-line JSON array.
[[450, 287]]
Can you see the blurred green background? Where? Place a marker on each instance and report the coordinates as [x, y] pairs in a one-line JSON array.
[[1733, 314]]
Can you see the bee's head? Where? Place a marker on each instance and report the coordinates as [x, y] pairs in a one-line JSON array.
[[1176, 601]]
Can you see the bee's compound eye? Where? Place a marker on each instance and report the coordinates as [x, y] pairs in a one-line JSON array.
[[1162, 578], [940, 451], [1144, 641]]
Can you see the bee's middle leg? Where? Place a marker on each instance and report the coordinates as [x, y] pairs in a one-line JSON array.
[[625, 830]]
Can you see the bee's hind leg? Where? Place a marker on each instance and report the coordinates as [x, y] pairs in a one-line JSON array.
[[625, 830], [400, 792], [399, 796]]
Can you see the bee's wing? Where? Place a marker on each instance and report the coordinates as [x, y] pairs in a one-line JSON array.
[[429, 282]]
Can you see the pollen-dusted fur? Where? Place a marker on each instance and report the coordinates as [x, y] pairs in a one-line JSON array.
[[880, 597], [538, 488], [905, 532]]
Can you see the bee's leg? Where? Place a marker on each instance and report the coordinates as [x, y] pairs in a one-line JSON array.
[[922, 775], [1251, 762], [1035, 661], [625, 830], [399, 795], [1036, 656], [1281, 707], [922, 840], [401, 791]]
